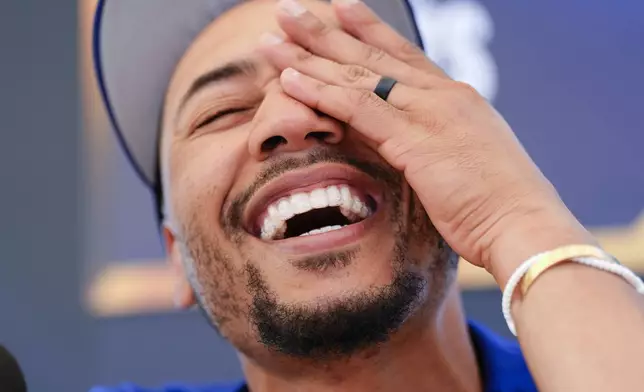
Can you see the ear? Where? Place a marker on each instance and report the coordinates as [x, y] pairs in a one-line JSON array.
[[184, 296]]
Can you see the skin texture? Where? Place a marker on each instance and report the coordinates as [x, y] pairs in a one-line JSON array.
[[394, 287], [451, 174]]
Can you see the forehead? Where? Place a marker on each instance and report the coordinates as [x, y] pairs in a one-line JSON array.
[[232, 36]]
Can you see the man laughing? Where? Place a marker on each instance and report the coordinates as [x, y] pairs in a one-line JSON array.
[[316, 177]]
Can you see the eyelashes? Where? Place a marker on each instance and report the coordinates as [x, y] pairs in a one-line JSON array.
[[220, 115]]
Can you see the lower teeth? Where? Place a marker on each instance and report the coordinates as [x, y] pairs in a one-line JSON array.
[[323, 230]]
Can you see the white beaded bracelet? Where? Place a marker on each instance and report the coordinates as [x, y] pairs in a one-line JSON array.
[[594, 262]]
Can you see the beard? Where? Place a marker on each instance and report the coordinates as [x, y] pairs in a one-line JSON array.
[[327, 329], [335, 328]]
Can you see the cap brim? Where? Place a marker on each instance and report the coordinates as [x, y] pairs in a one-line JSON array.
[[136, 47]]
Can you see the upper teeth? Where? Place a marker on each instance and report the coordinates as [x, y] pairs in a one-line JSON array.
[[352, 207]]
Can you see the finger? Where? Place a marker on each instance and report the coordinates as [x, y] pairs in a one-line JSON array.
[[360, 21], [361, 109], [324, 40], [286, 54]]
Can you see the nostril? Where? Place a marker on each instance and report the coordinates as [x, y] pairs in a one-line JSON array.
[[319, 135], [272, 143]]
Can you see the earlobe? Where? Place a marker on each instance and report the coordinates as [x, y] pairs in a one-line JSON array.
[[184, 297]]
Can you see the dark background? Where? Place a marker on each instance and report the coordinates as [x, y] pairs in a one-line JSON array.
[[41, 320]]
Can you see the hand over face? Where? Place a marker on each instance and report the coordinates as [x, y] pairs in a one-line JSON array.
[[472, 175]]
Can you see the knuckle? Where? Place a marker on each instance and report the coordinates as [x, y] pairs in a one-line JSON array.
[[322, 88], [374, 54], [409, 51], [466, 90], [464, 97], [361, 97], [303, 56], [353, 74], [323, 33], [317, 27], [433, 124]]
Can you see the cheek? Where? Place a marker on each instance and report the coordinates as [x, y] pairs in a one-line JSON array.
[[201, 173]]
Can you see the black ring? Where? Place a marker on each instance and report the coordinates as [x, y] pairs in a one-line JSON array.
[[384, 87]]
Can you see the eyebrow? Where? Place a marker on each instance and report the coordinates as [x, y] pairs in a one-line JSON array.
[[220, 74]]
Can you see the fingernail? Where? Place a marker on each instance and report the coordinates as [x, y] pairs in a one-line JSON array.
[[292, 7], [270, 39], [290, 73]]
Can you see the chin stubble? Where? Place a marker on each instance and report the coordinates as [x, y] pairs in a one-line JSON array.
[[336, 328]]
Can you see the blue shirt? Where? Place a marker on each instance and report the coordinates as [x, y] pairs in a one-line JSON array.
[[501, 364]]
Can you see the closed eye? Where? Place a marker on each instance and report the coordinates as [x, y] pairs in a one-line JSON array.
[[219, 115]]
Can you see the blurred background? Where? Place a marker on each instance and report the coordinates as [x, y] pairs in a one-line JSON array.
[[85, 297]]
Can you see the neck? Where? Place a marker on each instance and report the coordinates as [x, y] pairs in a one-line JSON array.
[[430, 352]]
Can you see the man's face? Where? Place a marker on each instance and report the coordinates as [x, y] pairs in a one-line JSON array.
[[296, 235]]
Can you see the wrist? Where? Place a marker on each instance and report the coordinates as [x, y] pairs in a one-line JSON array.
[[527, 236]]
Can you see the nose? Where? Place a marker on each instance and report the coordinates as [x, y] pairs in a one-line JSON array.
[[283, 125]]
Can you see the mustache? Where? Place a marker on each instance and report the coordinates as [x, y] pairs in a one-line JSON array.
[[277, 166]]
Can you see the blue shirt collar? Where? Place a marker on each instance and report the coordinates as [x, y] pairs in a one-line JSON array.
[[501, 363]]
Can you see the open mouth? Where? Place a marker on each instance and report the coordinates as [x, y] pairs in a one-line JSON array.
[[318, 211]]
